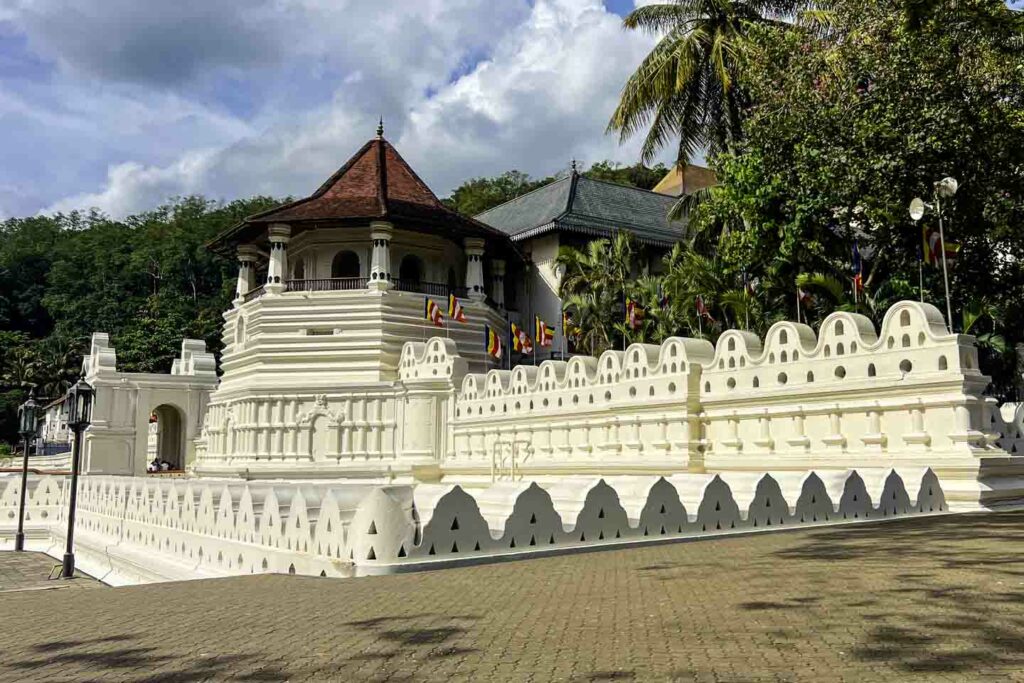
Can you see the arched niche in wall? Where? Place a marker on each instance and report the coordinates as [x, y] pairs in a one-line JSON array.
[[411, 269], [345, 264]]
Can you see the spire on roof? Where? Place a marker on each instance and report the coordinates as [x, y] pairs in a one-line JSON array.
[[574, 165], [380, 129]]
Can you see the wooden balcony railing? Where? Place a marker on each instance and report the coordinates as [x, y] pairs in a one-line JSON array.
[[330, 284], [433, 288]]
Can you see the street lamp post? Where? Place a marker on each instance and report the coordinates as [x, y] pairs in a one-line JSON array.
[[944, 189], [27, 413], [78, 404]]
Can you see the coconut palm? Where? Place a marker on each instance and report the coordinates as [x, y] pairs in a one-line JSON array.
[[688, 86]]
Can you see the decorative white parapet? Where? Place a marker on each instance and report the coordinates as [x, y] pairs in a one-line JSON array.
[[909, 397], [139, 530]]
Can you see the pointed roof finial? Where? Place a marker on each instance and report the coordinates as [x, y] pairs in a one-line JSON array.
[[574, 165], [380, 128]]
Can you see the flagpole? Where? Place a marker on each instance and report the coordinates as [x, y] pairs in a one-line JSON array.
[[920, 276], [797, 305], [945, 273], [700, 325]]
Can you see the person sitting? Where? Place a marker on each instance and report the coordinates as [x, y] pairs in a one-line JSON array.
[[153, 466]]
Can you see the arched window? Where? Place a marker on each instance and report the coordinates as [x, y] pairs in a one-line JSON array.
[[345, 264], [411, 269]]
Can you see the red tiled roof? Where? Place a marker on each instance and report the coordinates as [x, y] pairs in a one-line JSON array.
[[372, 184], [375, 184]]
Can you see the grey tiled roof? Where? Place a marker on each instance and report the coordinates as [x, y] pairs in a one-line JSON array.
[[591, 207]]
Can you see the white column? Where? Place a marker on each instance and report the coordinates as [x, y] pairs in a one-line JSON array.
[[498, 282], [475, 268], [279, 235], [380, 259], [247, 255]]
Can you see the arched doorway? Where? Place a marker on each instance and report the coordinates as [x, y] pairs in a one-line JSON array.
[[345, 264], [166, 448], [299, 270], [411, 269]]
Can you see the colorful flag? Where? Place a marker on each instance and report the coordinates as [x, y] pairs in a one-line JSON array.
[[455, 310], [748, 285], [634, 314], [521, 341], [805, 298], [545, 333], [662, 296], [433, 313], [702, 310], [858, 270], [492, 340], [931, 243], [569, 328]]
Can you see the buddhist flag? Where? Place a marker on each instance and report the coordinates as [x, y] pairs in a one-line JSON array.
[[662, 296], [569, 328], [931, 247], [702, 310], [634, 314], [858, 269], [545, 334], [432, 312], [493, 342], [455, 311], [521, 341]]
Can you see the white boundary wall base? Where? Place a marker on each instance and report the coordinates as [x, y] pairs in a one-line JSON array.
[[117, 440], [137, 530]]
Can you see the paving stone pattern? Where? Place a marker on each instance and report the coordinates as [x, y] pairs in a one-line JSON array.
[[32, 571], [939, 598]]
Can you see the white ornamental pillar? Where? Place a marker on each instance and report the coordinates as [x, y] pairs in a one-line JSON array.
[[279, 235], [475, 268], [247, 255], [380, 259], [498, 282]]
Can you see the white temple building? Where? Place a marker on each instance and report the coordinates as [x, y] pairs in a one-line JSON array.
[[346, 434]]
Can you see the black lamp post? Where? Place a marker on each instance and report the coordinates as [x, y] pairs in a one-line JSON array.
[[27, 413], [78, 404]]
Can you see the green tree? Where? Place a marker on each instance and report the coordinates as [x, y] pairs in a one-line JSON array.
[[479, 194], [845, 128], [689, 87]]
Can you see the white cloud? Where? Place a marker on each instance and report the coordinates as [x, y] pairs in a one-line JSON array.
[[537, 86]]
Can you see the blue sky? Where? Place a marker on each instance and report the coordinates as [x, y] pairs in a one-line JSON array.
[[120, 104]]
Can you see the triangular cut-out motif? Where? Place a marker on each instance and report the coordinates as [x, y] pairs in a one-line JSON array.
[[513, 543], [718, 506], [533, 519], [373, 528], [533, 540], [617, 534], [455, 547], [432, 551], [401, 551], [455, 523], [645, 531], [477, 546], [323, 573], [718, 525], [600, 536], [663, 530], [662, 508], [600, 513], [583, 537], [551, 541], [371, 555]]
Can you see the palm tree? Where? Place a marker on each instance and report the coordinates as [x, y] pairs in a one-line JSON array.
[[688, 86]]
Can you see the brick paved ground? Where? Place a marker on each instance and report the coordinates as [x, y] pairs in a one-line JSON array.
[[31, 571], [928, 599]]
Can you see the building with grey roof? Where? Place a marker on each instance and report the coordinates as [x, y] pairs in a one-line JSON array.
[[572, 211]]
